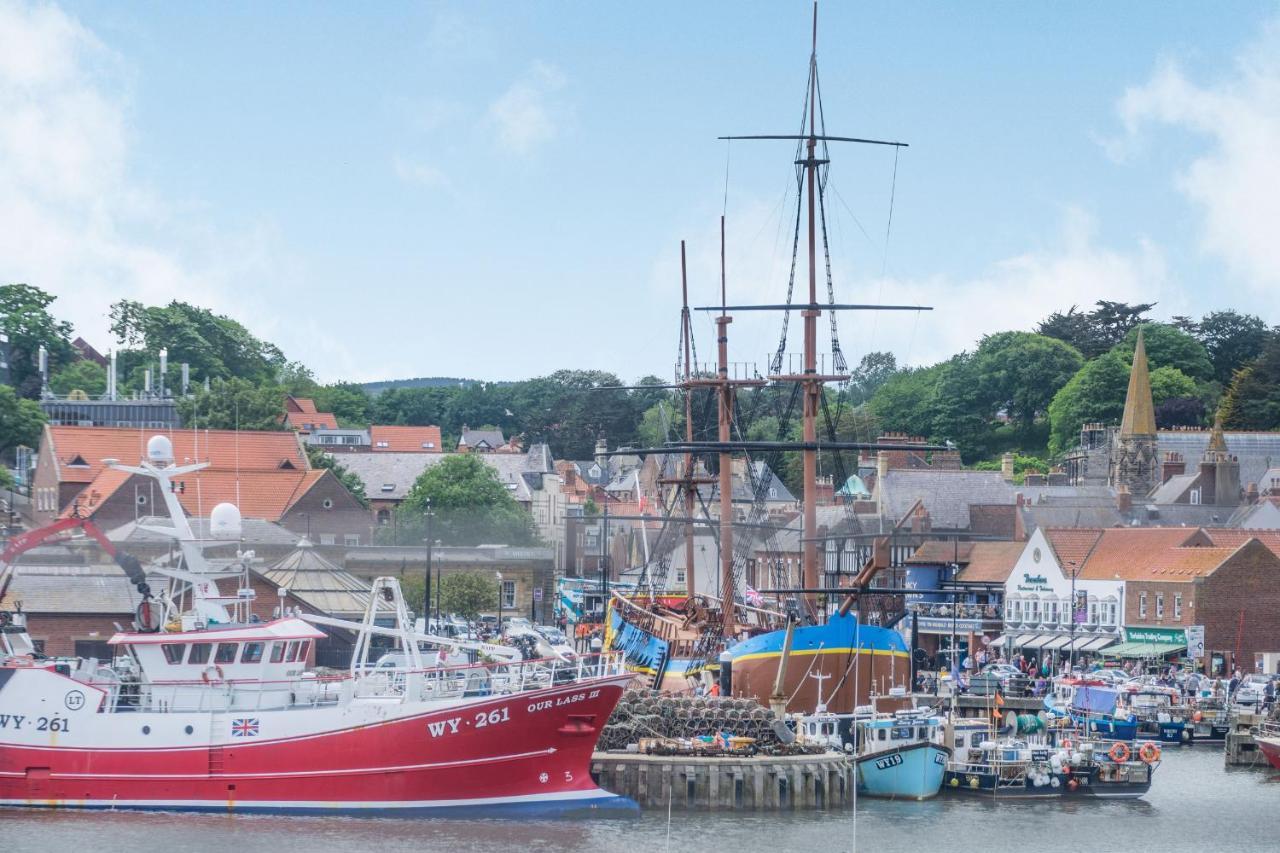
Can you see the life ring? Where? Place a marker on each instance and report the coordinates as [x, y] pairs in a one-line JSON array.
[[1119, 753], [1066, 743], [1197, 717], [1150, 753], [218, 676]]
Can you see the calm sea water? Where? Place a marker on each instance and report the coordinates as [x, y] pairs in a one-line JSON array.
[[1195, 805]]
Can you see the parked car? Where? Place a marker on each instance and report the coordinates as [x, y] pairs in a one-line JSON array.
[[1252, 689], [1008, 679]]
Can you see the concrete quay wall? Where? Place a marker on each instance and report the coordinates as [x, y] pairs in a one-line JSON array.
[[760, 783]]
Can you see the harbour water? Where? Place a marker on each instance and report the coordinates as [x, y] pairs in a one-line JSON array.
[[1195, 805]]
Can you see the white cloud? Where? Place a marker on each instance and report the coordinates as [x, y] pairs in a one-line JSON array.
[[1235, 182], [529, 113], [414, 172], [74, 222]]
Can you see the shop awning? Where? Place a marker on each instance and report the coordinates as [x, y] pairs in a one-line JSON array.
[[999, 641], [1143, 650], [1056, 643], [1025, 638], [1097, 644], [1039, 642]]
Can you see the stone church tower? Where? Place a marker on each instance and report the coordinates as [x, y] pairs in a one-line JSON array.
[[1134, 463]]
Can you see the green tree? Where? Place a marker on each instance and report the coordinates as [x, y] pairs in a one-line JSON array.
[[1094, 332], [21, 420], [660, 423], [87, 376], [1095, 393], [470, 504], [320, 459], [468, 594], [1233, 340], [1168, 346], [215, 346], [1020, 372], [873, 370], [1253, 400], [234, 404], [25, 318], [905, 402], [1169, 382], [348, 402]]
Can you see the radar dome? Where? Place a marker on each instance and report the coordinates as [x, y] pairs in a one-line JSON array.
[[224, 522], [159, 450]]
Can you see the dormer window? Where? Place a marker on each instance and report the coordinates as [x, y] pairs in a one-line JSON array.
[[287, 465], [428, 445], [388, 487], [381, 444], [78, 461]]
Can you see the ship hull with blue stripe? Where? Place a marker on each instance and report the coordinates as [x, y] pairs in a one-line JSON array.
[[857, 662]]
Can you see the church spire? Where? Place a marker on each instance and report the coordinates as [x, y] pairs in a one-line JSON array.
[[1139, 409]]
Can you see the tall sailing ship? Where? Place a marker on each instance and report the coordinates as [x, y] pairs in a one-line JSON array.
[[776, 646]]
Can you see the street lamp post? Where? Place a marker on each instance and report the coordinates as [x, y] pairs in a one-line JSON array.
[[499, 574], [1074, 572]]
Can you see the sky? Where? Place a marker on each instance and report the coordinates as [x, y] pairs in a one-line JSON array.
[[499, 190]]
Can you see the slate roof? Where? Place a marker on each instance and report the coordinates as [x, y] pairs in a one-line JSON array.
[[320, 583], [390, 475], [473, 438], [947, 494], [71, 589], [254, 531], [1175, 487], [1257, 451], [224, 449], [405, 439]]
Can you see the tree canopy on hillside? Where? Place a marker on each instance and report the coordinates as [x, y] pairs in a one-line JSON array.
[[1097, 331], [25, 318]]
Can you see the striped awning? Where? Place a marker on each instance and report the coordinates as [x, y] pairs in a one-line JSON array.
[[1097, 644], [1039, 642], [1143, 650], [999, 641], [1025, 638], [1057, 643]]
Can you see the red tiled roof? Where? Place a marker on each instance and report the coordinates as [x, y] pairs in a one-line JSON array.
[[259, 494], [225, 450], [406, 439], [310, 421], [1072, 545], [303, 405], [1235, 537], [991, 562], [1132, 552]]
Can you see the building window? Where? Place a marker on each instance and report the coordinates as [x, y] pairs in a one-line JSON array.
[[384, 517], [327, 503], [680, 576], [93, 649], [388, 487], [351, 540], [1093, 613], [428, 445], [328, 539], [508, 593], [1051, 612], [1142, 605], [1177, 606], [1160, 605], [380, 444]]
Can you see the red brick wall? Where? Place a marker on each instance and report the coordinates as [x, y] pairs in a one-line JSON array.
[[344, 516], [1242, 600], [60, 631], [1190, 592]]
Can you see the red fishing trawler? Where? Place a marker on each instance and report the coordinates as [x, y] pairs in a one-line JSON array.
[[204, 708]]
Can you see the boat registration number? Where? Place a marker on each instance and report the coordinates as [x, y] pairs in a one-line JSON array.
[[940, 759], [889, 761]]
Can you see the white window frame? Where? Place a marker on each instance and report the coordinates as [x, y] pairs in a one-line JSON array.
[[1177, 605], [1159, 605], [1142, 605], [508, 593]]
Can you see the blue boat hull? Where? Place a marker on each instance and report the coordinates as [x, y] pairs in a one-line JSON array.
[[911, 772]]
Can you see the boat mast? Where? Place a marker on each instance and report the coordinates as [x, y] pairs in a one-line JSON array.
[[726, 458], [812, 388], [686, 333]]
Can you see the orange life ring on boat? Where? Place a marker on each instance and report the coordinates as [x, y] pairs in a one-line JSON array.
[[1150, 753], [1197, 717], [1066, 743], [1119, 752], [217, 670]]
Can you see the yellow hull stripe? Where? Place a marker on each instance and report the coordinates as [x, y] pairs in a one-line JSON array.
[[804, 652]]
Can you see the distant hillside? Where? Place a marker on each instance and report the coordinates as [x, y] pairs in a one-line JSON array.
[[375, 388]]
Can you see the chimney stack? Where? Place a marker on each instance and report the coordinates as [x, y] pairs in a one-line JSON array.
[[1124, 499], [1006, 467], [1172, 466]]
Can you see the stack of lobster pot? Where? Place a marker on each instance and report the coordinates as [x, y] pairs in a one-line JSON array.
[[645, 713]]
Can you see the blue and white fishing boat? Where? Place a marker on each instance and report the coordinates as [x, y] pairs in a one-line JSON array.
[[1093, 707], [901, 755]]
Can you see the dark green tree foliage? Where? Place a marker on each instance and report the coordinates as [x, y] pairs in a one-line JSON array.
[[1094, 332], [1095, 393], [1233, 340], [1019, 372], [25, 318], [86, 376], [1253, 400], [1168, 346], [215, 346], [354, 485], [234, 404], [466, 594], [20, 420], [470, 504], [905, 402], [873, 370], [346, 400], [1180, 412]]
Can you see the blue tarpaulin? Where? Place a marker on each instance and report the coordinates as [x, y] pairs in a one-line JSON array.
[[1095, 700]]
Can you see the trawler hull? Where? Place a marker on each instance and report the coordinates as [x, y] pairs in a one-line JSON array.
[[526, 752]]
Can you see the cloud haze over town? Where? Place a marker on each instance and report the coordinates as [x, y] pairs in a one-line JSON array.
[[437, 189]]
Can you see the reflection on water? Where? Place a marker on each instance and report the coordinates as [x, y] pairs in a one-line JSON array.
[[1194, 806]]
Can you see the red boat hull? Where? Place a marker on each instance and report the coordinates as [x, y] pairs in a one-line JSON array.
[[529, 751], [1270, 749]]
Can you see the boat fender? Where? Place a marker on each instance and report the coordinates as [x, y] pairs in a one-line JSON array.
[[1185, 735], [1072, 785], [1119, 753], [212, 674], [955, 782], [973, 781], [1055, 782], [1150, 753]]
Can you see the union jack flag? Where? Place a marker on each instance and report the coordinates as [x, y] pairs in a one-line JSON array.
[[244, 728]]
